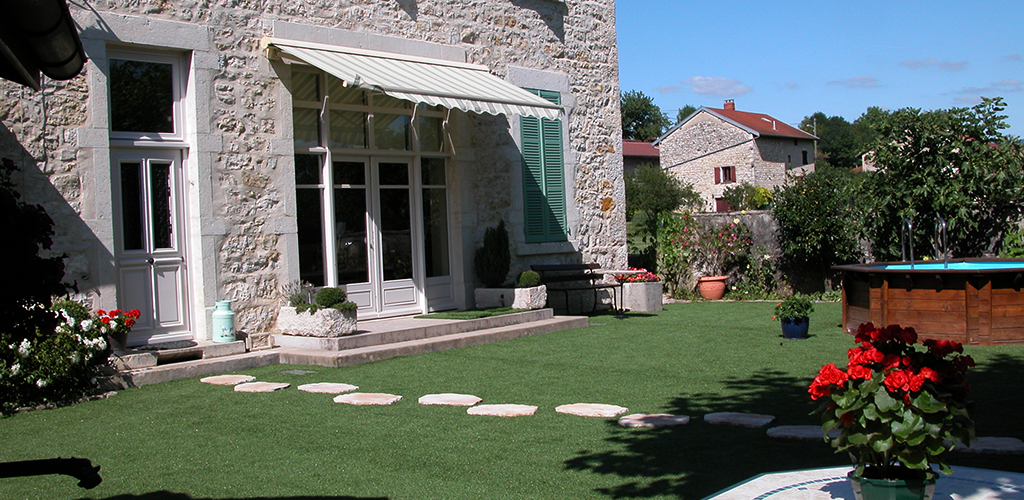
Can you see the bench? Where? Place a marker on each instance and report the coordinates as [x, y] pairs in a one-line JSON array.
[[565, 278]]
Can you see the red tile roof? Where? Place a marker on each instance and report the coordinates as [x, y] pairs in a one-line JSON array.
[[762, 124], [639, 148]]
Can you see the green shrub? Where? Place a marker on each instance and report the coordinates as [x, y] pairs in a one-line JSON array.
[[492, 260], [346, 306], [330, 297], [1013, 244], [746, 196], [306, 307], [297, 292], [528, 279]]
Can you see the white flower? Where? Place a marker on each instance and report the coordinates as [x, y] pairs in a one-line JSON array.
[[40, 383], [75, 358], [113, 324], [103, 330], [86, 324], [15, 369], [24, 348]]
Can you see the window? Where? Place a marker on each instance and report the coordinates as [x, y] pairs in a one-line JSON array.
[[145, 96], [543, 176], [725, 175], [805, 162]]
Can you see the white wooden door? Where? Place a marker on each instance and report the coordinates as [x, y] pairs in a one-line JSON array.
[[150, 243]]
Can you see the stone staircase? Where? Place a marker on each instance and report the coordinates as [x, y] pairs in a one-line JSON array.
[[375, 340]]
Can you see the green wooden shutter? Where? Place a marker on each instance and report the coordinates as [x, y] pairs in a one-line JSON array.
[[543, 176]]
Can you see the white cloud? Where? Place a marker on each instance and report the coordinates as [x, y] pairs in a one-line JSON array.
[[722, 87], [951, 66], [857, 82], [669, 89], [1000, 87], [792, 85], [1013, 58]]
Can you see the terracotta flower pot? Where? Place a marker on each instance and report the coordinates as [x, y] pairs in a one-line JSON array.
[[711, 287]]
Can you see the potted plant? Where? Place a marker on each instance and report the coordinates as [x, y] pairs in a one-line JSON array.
[[529, 292], [898, 409], [793, 312], [491, 262], [330, 314], [715, 247], [641, 290]]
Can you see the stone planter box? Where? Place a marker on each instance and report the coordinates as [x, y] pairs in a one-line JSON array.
[[518, 298], [323, 323], [644, 296]]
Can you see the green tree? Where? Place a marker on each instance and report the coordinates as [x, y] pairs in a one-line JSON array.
[[954, 163], [642, 120], [836, 139], [746, 196], [685, 111], [650, 191], [819, 219]]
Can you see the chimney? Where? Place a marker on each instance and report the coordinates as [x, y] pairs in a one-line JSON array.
[[730, 105]]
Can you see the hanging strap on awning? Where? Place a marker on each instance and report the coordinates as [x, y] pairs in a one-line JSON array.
[[453, 85]]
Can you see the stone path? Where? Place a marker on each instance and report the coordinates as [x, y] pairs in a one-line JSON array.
[[327, 388], [246, 383]]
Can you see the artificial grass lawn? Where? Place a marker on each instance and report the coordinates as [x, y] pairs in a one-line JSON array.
[[196, 440]]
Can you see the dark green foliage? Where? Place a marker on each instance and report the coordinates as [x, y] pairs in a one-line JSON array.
[[306, 307], [346, 306], [642, 120], [684, 112], [819, 217], [30, 279], [954, 163], [1013, 245], [746, 196], [837, 139], [528, 279], [492, 260], [330, 297]]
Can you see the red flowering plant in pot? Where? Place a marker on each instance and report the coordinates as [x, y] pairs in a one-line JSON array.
[[898, 409]]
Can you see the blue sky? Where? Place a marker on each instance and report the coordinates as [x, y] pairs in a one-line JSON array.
[[790, 59]]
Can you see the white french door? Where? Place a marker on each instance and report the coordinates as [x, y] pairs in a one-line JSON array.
[[374, 241], [150, 243]]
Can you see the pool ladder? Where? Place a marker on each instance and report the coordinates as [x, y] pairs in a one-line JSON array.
[[907, 240]]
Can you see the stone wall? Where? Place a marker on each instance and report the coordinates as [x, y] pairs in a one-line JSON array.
[[242, 208]]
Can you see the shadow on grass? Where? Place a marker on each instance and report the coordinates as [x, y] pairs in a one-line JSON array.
[[169, 495], [699, 459]]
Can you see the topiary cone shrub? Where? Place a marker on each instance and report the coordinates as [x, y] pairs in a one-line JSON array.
[[493, 259]]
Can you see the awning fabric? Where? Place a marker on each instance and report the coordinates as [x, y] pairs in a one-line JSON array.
[[435, 82]]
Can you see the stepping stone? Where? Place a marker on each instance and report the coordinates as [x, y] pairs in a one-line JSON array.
[[994, 446], [227, 379], [297, 372], [327, 388], [741, 419], [503, 410], [367, 398], [450, 399], [654, 420], [592, 410], [801, 432], [261, 387]]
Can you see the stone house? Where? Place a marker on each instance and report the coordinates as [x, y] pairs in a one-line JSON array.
[[221, 150], [715, 149]]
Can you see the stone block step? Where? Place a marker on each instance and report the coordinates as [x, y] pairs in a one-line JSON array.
[[403, 330], [372, 353], [189, 369]]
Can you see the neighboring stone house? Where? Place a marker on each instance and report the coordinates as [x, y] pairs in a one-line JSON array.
[[714, 149], [221, 150], [636, 153]]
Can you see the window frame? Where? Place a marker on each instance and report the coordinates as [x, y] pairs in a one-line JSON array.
[[179, 77]]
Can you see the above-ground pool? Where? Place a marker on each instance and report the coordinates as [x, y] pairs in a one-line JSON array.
[[973, 301]]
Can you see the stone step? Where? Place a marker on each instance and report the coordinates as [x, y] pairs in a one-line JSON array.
[[189, 369], [413, 346], [392, 331]]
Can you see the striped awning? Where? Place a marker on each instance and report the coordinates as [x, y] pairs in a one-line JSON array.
[[453, 85]]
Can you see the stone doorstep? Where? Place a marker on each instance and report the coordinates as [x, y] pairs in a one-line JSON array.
[[135, 359]]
